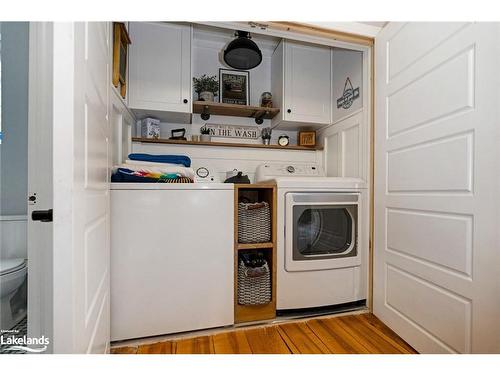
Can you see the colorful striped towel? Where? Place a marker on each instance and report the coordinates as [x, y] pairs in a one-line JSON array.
[[128, 175]]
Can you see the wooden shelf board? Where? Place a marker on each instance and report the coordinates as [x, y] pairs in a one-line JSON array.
[[225, 144], [250, 246], [262, 185], [250, 313], [224, 109]]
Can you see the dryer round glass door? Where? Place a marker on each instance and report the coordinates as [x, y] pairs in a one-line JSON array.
[[324, 231], [321, 230]]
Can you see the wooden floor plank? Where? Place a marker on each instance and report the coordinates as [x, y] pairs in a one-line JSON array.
[[368, 329], [378, 326], [301, 340], [234, 342], [195, 345], [359, 333], [335, 337], [124, 350], [164, 347], [376, 344], [266, 340]]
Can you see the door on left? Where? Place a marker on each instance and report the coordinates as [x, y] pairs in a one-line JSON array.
[[14, 71], [69, 161]]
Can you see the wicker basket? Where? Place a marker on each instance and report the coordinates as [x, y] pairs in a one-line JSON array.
[[254, 222], [254, 285]]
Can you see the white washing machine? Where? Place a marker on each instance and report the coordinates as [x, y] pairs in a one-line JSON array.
[[322, 236]]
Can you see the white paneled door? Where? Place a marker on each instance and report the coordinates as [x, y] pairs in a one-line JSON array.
[[81, 187], [437, 163]]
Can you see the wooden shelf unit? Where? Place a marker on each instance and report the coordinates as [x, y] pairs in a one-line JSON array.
[[224, 109], [249, 313], [225, 144]]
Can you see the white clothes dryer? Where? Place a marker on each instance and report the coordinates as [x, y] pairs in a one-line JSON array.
[[322, 243]]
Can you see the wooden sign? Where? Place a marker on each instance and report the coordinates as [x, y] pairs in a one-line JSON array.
[[121, 41], [307, 138], [233, 131]]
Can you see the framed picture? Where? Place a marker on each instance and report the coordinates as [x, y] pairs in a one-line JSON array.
[[234, 86], [121, 41]]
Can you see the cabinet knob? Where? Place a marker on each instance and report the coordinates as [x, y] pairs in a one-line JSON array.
[[289, 110], [185, 101]]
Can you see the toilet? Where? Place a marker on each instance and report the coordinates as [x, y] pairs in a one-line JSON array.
[[12, 276]]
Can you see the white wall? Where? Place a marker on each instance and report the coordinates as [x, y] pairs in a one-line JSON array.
[[14, 117], [207, 46], [346, 148], [208, 43], [219, 160], [346, 141], [13, 239]]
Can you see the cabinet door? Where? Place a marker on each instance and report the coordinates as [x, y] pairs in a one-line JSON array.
[[437, 162], [307, 86], [160, 67]]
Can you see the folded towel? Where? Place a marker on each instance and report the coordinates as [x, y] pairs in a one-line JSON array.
[[135, 163], [172, 159], [124, 175], [157, 169], [127, 175]]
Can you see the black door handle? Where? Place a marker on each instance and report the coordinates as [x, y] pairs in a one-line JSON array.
[[45, 216]]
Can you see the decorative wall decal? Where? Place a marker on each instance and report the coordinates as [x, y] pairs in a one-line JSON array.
[[348, 96]]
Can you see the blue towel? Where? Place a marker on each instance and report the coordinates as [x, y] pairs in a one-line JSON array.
[[173, 159]]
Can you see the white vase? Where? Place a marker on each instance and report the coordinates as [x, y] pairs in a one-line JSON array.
[[206, 96], [205, 137]]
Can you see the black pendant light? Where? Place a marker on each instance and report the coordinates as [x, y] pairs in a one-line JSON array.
[[242, 53]]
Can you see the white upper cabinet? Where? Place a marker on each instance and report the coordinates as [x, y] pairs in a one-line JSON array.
[[160, 71], [301, 85]]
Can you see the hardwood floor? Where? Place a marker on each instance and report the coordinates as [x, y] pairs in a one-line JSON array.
[[349, 334]]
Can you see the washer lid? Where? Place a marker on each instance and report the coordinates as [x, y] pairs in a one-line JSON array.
[[164, 186], [11, 265]]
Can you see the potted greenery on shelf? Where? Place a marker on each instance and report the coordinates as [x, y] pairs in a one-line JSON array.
[[266, 135], [206, 87], [205, 134]]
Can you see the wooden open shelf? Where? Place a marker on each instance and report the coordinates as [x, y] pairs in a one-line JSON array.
[[223, 109], [250, 246], [267, 193], [225, 144]]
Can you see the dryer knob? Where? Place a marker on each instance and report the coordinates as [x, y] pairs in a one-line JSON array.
[[290, 169]]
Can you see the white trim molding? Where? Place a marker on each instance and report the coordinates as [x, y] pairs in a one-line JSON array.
[[358, 28]]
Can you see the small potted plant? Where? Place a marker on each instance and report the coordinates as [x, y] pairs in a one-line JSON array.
[[266, 135], [205, 134], [206, 87]]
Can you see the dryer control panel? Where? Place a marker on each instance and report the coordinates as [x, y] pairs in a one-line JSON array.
[[204, 174], [269, 171]]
